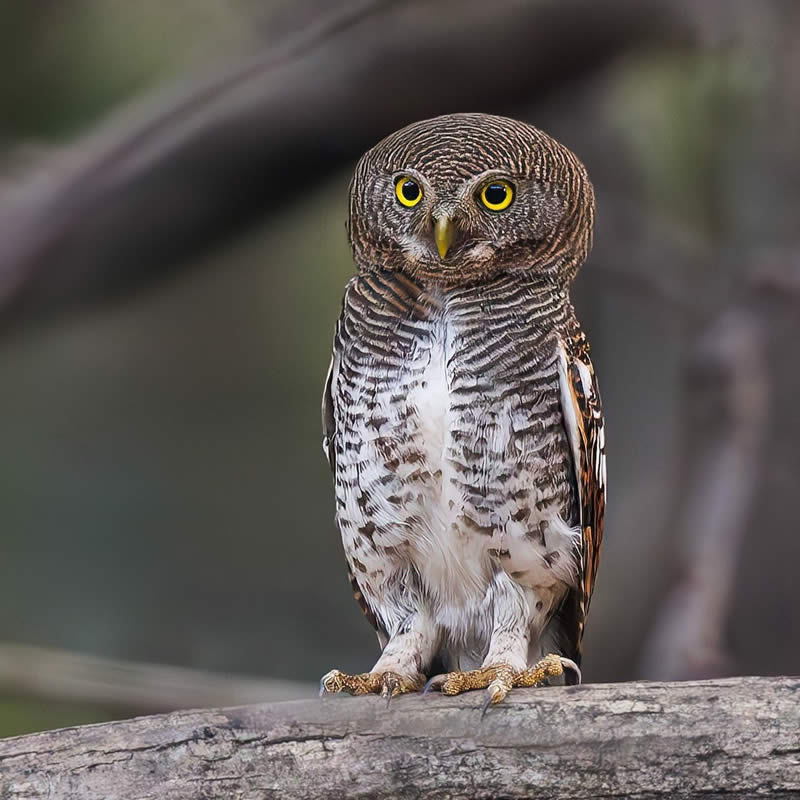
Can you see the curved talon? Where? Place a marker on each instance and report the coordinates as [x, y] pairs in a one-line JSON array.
[[551, 666], [486, 703], [326, 679], [498, 690], [569, 664], [435, 683], [390, 683]]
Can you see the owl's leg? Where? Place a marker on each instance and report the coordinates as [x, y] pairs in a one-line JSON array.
[[400, 667], [517, 611]]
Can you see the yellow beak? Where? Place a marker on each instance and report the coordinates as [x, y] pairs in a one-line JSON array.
[[443, 233]]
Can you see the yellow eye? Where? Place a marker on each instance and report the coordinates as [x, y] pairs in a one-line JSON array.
[[497, 195], [408, 191]]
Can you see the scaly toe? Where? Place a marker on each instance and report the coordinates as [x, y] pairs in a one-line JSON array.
[[452, 683], [336, 681], [551, 666], [449, 683], [387, 684]]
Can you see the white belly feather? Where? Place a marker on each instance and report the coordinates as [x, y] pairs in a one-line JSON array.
[[456, 563]]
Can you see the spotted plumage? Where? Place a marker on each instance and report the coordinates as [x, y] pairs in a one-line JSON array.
[[461, 413]]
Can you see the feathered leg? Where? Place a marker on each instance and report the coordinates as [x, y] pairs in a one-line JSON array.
[[401, 666], [518, 613]]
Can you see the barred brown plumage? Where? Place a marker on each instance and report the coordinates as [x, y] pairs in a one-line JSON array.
[[462, 417]]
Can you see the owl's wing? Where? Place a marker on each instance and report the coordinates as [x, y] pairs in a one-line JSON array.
[[328, 413], [329, 448], [583, 416]]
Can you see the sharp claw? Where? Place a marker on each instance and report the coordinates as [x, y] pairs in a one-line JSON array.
[[323, 689], [432, 684], [485, 707], [389, 684], [495, 692], [568, 663], [386, 693]]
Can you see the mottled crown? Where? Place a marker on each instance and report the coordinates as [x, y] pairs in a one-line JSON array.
[[547, 229]]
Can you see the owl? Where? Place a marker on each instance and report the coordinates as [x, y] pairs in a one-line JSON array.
[[461, 413]]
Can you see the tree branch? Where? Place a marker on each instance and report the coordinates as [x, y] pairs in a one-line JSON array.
[[734, 372], [705, 739], [133, 200], [727, 396], [129, 686]]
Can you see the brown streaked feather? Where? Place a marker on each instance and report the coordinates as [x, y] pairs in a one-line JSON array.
[[434, 346], [362, 602], [401, 297], [329, 448], [328, 419], [590, 466]]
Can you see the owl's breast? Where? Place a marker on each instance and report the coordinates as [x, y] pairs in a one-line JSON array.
[[393, 437], [453, 461]]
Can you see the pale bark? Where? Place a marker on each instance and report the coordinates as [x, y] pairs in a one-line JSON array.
[[738, 737]]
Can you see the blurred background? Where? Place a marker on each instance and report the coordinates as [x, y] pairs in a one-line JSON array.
[[173, 191]]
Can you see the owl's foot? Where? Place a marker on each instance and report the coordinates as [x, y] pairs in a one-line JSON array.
[[386, 684], [500, 679]]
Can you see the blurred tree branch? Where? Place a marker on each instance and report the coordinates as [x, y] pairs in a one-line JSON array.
[[740, 465], [134, 201], [730, 377], [131, 202], [731, 737], [130, 687], [726, 391]]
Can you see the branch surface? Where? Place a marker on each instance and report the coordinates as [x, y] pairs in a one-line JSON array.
[[735, 737]]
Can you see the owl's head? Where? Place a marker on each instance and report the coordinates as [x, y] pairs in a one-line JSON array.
[[464, 197]]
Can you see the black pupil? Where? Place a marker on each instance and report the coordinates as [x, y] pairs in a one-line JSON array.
[[495, 193], [410, 191]]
